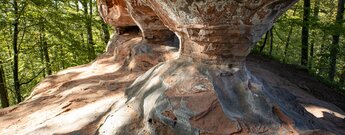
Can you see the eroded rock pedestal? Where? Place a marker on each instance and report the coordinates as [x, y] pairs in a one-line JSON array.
[[208, 89], [209, 82], [142, 85]]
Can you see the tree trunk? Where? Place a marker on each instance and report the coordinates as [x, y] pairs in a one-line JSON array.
[[271, 41], [105, 30], [287, 44], [311, 56], [88, 25], [62, 60], [305, 33], [46, 58], [15, 52], [79, 28], [42, 52], [42, 58], [342, 77], [335, 42], [265, 41], [106, 34], [45, 50], [311, 53], [321, 64], [3, 91]]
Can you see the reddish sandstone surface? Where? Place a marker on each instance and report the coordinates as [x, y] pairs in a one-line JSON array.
[[143, 85], [115, 13]]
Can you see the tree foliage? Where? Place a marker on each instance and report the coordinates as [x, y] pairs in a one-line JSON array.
[[322, 25], [56, 34], [52, 35]]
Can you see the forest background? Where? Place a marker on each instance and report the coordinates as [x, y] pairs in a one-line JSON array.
[[41, 37]]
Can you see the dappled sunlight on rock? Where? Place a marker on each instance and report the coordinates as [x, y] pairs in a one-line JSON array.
[[78, 99], [98, 70], [75, 118], [319, 111], [151, 81]]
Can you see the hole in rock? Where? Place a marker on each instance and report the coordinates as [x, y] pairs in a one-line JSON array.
[[128, 29]]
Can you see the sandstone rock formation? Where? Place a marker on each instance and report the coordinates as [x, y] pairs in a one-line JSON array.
[[115, 13], [153, 30], [142, 85], [209, 81]]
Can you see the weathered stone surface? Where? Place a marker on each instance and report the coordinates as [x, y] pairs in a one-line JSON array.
[[115, 12], [100, 87], [218, 31], [153, 30], [179, 97], [124, 14], [78, 99], [215, 36], [207, 90]]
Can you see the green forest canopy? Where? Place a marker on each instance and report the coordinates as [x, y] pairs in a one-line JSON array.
[[51, 35]]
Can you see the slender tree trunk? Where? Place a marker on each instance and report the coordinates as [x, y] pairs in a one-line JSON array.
[[42, 53], [316, 9], [271, 41], [45, 50], [335, 42], [46, 58], [15, 52], [42, 56], [287, 44], [305, 33], [311, 53], [79, 27], [105, 31], [265, 41], [106, 34], [90, 34], [342, 77], [321, 61], [9, 50], [311, 56], [56, 3], [88, 25], [62, 54], [3, 90]]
